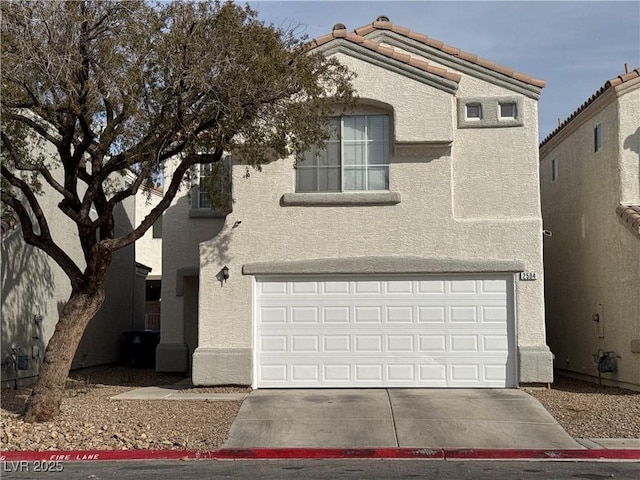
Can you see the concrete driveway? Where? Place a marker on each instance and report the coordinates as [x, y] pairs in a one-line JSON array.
[[357, 418]]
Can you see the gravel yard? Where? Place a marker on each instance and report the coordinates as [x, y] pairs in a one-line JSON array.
[[587, 410], [91, 421]]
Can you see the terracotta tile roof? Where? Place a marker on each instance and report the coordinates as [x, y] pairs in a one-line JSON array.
[[340, 31], [383, 23], [608, 84], [630, 214]]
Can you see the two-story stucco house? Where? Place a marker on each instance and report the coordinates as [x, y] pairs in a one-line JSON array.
[[406, 253], [590, 187]]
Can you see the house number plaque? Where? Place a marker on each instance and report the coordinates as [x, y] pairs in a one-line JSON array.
[[528, 276]]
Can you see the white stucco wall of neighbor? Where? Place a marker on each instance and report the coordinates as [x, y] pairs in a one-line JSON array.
[[464, 195], [34, 290], [148, 248], [593, 260]]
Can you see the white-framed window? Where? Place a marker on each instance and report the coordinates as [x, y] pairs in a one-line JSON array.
[[473, 111], [204, 176], [217, 176], [356, 157], [508, 110], [554, 169], [597, 137]]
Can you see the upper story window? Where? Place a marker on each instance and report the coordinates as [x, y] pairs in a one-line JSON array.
[[508, 110], [554, 169], [205, 175], [213, 191], [356, 157], [597, 137], [474, 111]]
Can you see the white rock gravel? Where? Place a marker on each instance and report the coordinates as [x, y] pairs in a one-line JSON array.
[[89, 420]]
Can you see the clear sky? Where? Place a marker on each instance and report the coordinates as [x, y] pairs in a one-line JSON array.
[[576, 46]]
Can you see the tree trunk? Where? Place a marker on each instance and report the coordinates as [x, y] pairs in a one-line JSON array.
[[44, 402]]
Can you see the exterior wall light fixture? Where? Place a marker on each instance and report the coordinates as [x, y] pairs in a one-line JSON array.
[[225, 273]]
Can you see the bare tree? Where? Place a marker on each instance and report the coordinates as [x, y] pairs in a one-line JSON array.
[[113, 87]]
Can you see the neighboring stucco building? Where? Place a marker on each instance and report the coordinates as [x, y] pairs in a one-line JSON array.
[[34, 290], [407, 253], [149, 253], [590, 187]]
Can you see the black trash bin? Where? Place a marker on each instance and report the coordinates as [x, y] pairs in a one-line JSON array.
[[141, 348]]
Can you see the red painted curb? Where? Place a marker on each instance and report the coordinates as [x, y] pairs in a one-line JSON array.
[[323, 453], [329, 453], [98, 455], [524, 454]]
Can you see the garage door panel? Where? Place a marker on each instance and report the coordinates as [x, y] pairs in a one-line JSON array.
[[463, 343], [336, 288], [272, 288], [494, 373], [273, 315], [465, 372], [493, 314], [433, 374], [304, 288], [405, 332], [368, 287], [337, 343], [400, 314], [273, 343], [400, 287], [338, 373], [437, 314], [435, 343], [463, 314], [368, 343], [495, 343], [273, 373], [457, 287], [336, 314], [494, 287], [372, 373], [401, 373], [305, 373], [431, 287], [304, 315], [400, 343], [305, 344]]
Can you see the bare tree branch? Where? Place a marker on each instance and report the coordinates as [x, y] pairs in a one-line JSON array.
[[41, 130], [42, 240], [38, 167]]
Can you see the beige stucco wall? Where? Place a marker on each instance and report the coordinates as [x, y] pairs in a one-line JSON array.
[[181, 236], [422, 112], [32, 284], [148, 249], [592, 260], [477, 199]]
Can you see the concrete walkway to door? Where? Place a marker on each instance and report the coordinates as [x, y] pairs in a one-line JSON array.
[[358, 418]]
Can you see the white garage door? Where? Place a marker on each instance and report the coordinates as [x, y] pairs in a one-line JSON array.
[[385, 332]]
